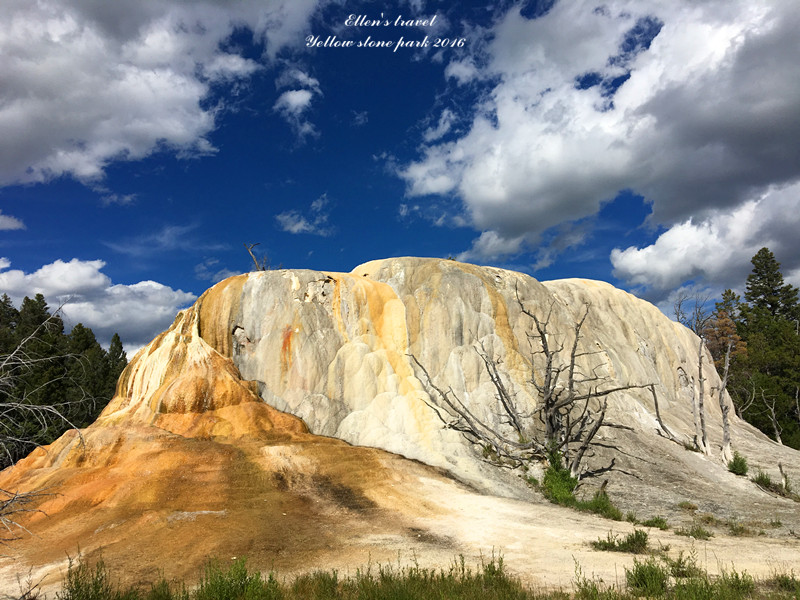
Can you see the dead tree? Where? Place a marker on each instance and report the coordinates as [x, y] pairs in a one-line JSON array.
[[665, 431], [769, 403], [701, 403], [724, 407], [261, 264], [19, 414], [690, 383], [569, 411]]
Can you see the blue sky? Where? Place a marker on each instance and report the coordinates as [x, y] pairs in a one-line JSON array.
[[142, 144]]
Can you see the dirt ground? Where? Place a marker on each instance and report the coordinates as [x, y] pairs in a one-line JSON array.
[[318, 503]]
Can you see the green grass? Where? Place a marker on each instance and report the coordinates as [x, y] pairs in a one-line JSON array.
[[738, 465], [679, 579], [686, 505]]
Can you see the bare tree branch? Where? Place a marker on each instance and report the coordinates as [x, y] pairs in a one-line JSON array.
[[569, 412], [21, 420]]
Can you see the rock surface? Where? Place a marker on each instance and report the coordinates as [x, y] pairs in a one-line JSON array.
[[234, 422]]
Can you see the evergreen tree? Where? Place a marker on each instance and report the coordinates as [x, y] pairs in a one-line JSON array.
[[767, 290], [49, 381], [8, 324], [765, 379], [116, 361], [89, 367]]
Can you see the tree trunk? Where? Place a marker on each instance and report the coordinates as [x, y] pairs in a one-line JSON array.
[[724, 407], [701, 400]]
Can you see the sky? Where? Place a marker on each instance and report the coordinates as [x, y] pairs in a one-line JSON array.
[[651, 144]]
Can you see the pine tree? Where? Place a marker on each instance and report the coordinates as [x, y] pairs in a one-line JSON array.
[[116, 361], [767, 290], [69, 377], [8, 324], [766, 380]]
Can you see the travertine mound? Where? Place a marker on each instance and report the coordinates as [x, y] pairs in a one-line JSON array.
[[336, 351], [275, 417]]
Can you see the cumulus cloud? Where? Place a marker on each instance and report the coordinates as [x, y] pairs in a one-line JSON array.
[[695, 106], [717, 249], [138, 312], [86, 83], [9, 223], [314, 223]]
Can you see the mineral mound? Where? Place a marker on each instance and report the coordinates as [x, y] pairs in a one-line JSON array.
[[286, 416]]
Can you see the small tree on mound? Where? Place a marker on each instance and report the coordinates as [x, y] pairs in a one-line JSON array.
[[570, 411]]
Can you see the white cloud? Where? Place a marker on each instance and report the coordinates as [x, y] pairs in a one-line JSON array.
[[293, 104], [490, 244], [577, 107], [210, 270], [463, 71], [138, 312], [86, 83], [9, 223], [718, 248], [315, 223], [169, 238], [294, 77], [446, 121]]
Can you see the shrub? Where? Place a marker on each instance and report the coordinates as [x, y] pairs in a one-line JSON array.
[[694, 588], [786, 582], [600, 504], [738, 528], [85, 582], [558, 485], [695, 531], [234, 584], [734, 585], [684, 566], [647, 578], [738, 465], [686, 505], [635, 542], [659, 522], [763, 479]]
